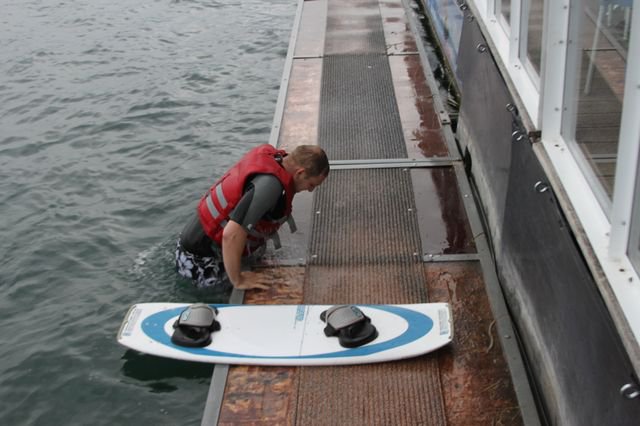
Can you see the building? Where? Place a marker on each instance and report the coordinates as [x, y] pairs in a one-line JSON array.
[[549, 123]]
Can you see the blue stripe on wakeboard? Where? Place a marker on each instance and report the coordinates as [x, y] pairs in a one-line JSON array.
[[419, 325]]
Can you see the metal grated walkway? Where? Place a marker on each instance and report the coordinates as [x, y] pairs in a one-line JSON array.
[[388, 226], [364, 244], [357, 119]]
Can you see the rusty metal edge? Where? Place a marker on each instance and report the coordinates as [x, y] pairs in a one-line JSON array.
[[445, 120], [504, 325], [218, 384], [506, 332], [215, 396], [284, 83]]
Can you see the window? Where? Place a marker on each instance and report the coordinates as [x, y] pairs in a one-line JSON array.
[[633, 250], [534, 16], [569, 64], [504, 9], [594, 89]]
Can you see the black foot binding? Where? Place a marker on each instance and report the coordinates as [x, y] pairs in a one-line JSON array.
[[194, 326], [352, 327]]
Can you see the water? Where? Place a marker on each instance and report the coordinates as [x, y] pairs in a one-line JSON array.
[[114, 118]]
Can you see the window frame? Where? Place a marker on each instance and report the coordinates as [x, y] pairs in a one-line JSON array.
[[608, 230], [523, 77]]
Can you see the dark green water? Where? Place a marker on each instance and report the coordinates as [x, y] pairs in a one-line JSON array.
[[115, 116]]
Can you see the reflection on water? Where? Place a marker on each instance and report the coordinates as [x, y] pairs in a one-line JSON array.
[[154, 370]]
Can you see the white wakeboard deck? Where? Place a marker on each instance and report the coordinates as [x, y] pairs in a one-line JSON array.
[[289, 335]]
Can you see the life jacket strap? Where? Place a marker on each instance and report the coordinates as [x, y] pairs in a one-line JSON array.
[[275, 237], [211, 207], [292, 224]]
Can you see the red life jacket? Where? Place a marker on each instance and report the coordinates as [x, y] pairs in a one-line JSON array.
[[220, 200]]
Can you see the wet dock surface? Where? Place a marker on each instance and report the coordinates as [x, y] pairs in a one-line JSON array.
[[390, 225]]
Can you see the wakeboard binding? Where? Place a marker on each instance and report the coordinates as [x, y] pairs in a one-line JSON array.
[[352, 327], [194, 326]]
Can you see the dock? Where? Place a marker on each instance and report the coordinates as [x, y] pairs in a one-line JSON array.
[[394, 223]]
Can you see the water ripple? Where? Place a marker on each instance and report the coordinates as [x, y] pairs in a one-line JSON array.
[[115, 116]]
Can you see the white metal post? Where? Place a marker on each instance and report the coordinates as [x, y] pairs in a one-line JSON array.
[[627, 160], [517, 28]]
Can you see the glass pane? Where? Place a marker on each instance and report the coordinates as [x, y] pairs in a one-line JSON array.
[[534, 29], [599, 51], [505, 9], [633, 251]]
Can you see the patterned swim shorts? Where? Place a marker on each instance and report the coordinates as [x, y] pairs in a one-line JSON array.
[[206, 272]]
